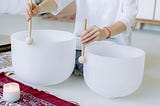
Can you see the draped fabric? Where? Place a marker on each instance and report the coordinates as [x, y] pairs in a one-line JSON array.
[[33, 97]]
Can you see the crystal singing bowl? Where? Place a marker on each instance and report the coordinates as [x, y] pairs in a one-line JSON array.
[[114, 70], [49, 60]]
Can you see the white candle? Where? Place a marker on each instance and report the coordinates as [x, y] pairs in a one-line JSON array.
[[11, 92]]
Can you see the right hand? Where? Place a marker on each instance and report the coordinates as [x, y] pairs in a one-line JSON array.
[[33, 10]]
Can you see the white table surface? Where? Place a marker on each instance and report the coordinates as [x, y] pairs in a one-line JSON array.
[[74, 88]]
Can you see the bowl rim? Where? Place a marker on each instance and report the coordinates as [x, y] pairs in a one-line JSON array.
[[73, 36], [141, 53]]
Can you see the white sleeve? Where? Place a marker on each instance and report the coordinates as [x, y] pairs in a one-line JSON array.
[[129, 12], [60, 5]]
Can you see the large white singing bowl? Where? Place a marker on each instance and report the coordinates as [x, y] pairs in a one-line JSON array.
[[49, 60], [114, 70]]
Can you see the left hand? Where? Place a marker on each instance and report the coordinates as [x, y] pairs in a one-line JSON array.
[[92, 34]]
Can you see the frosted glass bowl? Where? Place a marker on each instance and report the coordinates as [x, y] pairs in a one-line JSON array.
[[49, 60], [114, 70]]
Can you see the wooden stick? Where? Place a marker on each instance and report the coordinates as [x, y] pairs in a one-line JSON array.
[[83, 45], [30, 22], [30, 2]]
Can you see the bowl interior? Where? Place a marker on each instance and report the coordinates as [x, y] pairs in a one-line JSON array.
[[46, 36], [115, 51]]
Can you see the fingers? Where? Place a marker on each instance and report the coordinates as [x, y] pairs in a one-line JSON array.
[[91, 39], [32, 10], [29, 7], [29, 11], [90, 35], [87, 31], [28, 15]]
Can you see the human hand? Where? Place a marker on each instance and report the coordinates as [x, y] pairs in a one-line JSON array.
[[94, 33], [32, 10]]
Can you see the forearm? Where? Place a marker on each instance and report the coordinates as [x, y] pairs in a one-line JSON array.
[[47, 5], [117, 28], [95, 33]]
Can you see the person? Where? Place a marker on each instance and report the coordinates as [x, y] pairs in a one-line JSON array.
[[107, 20], [17, 7]]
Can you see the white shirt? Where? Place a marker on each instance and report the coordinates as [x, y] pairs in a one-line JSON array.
[[102, 13]]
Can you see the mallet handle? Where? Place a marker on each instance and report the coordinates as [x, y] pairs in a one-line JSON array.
[[30, 22], [83, 45]]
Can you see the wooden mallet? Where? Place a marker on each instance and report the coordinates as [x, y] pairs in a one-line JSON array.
[[82, 58], [29, 39]]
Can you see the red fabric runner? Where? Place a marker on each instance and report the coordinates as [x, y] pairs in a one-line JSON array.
[[33, 97]]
